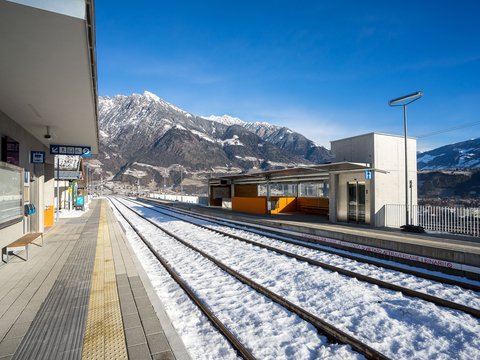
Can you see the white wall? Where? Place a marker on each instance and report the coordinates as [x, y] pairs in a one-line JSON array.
[[389, 187], [386, 155]]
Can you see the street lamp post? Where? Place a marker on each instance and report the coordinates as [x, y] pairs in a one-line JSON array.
[[404, 101]]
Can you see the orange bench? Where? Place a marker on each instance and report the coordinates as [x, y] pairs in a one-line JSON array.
[[24, 241]]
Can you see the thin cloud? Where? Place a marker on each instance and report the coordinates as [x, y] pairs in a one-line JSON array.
[[315, 126]]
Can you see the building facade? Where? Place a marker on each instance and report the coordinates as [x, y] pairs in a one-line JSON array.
[[368, 173], [48, 95]]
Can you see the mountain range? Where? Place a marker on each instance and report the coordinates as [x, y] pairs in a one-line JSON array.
[[450, 172], [461, 155], [144, 139]]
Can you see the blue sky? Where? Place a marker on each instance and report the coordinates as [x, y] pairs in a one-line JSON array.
[[324, 68]]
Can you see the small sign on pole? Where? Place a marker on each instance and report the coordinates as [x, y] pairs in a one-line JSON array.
[[37, 157], [368, 174]]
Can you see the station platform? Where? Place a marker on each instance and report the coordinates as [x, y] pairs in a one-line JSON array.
[[450, 254], [83, 295]]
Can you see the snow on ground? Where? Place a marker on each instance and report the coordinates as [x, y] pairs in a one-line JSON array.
[[267, 329], [180, 127], [225, 119], [202, 135], [234, 141], [226, 169], [135, 173], [273, 163], [248, 158], [201, 339], [449, 292], [426, 158], [398, 326]]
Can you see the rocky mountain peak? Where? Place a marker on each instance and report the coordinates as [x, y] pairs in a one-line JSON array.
[[144, 138]]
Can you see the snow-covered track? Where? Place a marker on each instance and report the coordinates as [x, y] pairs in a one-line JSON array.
[[404, 290], [232, 339], [299, 240], [333, 333]]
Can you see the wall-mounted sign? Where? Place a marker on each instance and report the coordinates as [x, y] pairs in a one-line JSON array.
[[70, 150], [68, 175], [37, 157], [368, 174]]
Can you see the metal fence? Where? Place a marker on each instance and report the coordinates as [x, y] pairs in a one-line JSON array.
[[454, 220]]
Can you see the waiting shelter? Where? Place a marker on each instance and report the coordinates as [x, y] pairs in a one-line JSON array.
[[367, 173]]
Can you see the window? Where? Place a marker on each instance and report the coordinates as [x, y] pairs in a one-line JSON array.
[[314, 189], [11, 185], [278, 189], [10, 151]]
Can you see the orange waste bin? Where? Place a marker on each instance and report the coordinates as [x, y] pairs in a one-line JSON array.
[[48, 216]]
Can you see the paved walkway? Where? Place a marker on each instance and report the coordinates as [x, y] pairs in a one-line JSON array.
[[82, 295]]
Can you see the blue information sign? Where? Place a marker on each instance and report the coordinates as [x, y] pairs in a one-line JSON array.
[[70, 150], [368, 174], [37, 157]]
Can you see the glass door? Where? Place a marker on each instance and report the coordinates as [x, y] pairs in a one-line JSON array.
[[356, 202], [352, 201], [361, 202]]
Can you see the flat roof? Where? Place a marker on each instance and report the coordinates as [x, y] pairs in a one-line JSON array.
[[304, 172], [48, 71], [372, 133]]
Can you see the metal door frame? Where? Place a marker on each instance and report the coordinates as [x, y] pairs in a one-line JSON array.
[[357, 212]]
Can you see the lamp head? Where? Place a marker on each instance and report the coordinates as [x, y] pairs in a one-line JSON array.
[[407, 99]]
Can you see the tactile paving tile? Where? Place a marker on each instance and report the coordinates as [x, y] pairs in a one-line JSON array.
[[104, 336], [59, 325]]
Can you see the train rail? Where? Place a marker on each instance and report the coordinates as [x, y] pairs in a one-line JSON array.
[[299, 240], [404, 290], [333, 333], [231, 338]]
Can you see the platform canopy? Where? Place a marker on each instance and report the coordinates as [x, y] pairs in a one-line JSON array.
[[48, 69], [304, 173]]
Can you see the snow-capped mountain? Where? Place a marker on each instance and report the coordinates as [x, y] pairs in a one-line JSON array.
[[462, 155], [144, 138], [225, 119], [283, 137]]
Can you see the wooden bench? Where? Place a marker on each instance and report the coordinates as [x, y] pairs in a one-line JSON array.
[[313, 205], [315, 210], [24, 241]]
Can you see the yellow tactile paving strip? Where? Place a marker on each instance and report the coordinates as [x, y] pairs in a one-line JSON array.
[[104, 334]]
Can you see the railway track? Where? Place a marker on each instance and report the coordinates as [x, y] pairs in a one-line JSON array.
[[299, 240], [333, 333], [231, 338], [404, 290]]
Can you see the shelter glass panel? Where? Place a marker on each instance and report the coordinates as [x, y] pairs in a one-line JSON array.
[[278, 189], [314, 189]]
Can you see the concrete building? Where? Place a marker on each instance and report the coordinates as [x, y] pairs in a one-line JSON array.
[[353, 195], [48, 95], [368, 173]]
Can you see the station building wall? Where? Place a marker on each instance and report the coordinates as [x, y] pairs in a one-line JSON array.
[[386, 155], [39, 191]]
